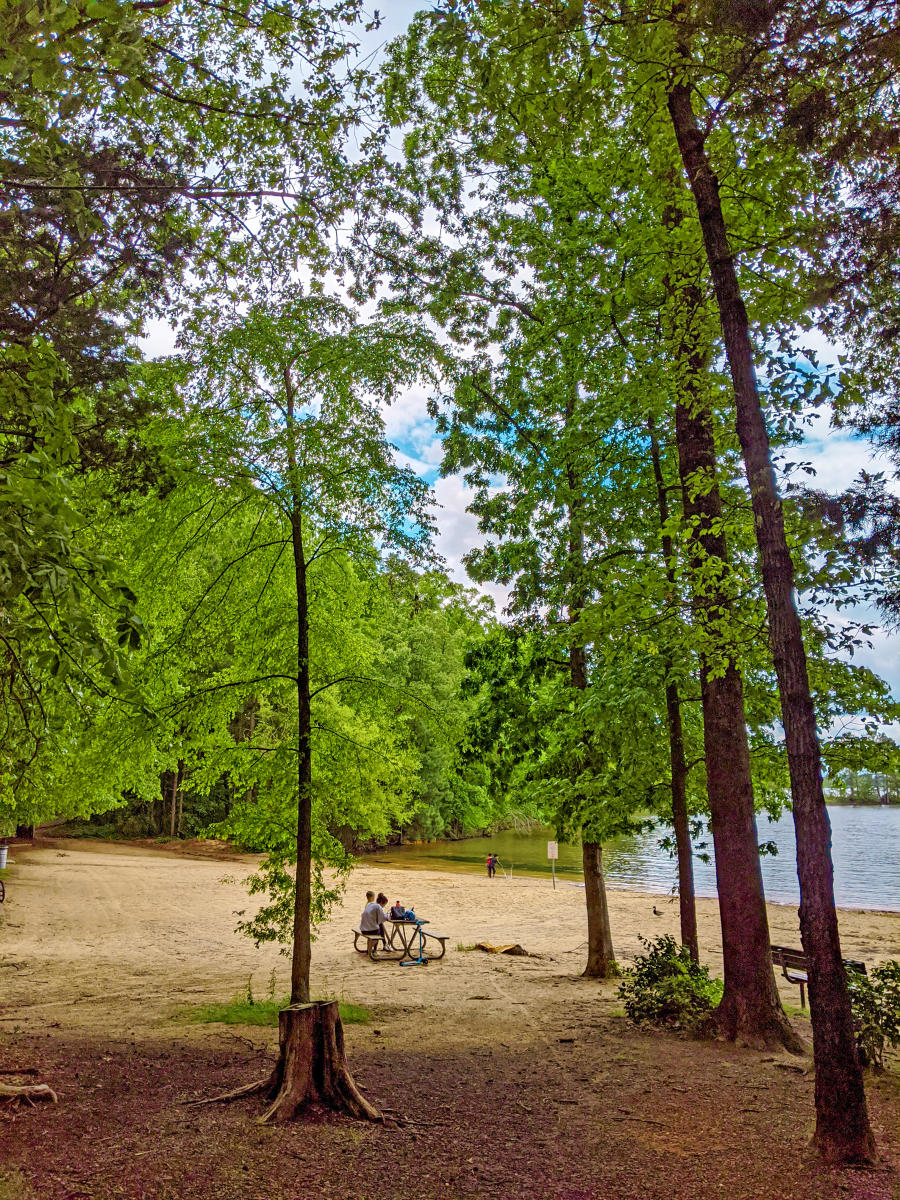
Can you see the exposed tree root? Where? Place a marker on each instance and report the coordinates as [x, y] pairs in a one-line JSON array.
[[29, 1092], [248, 1089], [766, 1030]]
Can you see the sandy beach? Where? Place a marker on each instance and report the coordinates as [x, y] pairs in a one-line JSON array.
[[92, 924], [498, 1076]]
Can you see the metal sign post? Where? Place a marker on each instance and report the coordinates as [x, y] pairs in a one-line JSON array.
[[553, 855]]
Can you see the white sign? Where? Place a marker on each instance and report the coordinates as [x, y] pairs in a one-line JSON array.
[[553, 849]]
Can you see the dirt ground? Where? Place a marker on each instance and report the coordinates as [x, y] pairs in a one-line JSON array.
[[502, 1077]]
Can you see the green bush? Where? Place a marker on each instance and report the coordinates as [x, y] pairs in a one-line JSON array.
[[875, 1000], [665, 987]]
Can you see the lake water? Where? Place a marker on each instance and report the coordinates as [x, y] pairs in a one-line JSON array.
[[865, 847]]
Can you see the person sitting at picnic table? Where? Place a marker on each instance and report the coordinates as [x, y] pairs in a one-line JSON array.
[[373, 916]]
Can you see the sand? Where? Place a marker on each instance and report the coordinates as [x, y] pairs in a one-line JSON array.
[[94, 934], [498, 1076]]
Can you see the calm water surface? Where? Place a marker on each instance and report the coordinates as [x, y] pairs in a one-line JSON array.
[[866, 850]]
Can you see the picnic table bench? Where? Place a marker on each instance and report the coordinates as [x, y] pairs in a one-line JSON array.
[[409, 939], [795, 968]]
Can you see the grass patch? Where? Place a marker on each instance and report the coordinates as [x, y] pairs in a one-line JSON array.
[[14, 1187], [793, 1010], [241, 1011], [463, 946]]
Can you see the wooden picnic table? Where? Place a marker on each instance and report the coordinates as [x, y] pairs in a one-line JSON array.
[[409, 939]]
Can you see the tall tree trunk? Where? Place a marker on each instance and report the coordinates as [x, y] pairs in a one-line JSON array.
[[601, 963], [173, 801], [750, 1009], [843, 1133], [311, 1065], [677, 762], [302, 950], [687, 907]]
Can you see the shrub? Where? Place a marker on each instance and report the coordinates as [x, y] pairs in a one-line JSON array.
[[875, 1000], [666, 987]]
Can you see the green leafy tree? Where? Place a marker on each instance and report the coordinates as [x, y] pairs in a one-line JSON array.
[[134, 140], [285, 400]]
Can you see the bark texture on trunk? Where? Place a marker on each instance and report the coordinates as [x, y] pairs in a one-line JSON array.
[[173, 807], [678, 768], [750, 1009], [843, 1132], [687, 907], [601, 963], [312, 1066], [302, 949]]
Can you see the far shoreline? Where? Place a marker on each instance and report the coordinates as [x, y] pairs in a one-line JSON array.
[[529, 877], [211, 848]]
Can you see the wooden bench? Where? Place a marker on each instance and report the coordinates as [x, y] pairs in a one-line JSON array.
[[371, 941], [401, 937], [795, 968]]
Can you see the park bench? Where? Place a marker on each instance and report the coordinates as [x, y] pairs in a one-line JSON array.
[[795, 969], [407, 938], [370, 942]]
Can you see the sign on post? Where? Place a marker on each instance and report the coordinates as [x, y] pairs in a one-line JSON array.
[[553, 855]]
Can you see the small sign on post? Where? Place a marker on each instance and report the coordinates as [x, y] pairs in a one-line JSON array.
[[553, 855]]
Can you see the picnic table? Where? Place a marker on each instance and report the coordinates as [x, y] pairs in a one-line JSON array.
[[408, 939]]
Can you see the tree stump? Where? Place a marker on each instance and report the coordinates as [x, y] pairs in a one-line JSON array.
[[312, 1067]]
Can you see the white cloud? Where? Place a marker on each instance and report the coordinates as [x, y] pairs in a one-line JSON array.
[[458, 533], [410, 428], [838, 456], [158, 339]]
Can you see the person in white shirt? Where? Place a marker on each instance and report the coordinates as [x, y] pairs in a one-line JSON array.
[[373, 917]]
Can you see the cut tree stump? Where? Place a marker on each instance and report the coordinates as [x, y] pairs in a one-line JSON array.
[[312, 1066]]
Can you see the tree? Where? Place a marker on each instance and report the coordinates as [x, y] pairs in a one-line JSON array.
[[559, 338], [287, 398], [134, 140], [633, 48], [429, 625], [842, 1128]]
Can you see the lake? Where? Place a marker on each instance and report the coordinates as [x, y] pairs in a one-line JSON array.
[[865, 838]]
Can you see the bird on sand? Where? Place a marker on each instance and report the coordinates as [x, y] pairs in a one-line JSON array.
[[656, 911]]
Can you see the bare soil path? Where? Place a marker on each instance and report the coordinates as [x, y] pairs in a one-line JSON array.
[[503, 1077]]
